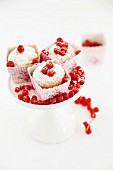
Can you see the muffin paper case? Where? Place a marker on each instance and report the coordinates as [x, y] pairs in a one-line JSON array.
[[94, 55], [50, 92], [19, 74], [70, 64]]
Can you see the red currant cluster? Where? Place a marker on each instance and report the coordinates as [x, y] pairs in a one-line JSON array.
[[88, 43], [24, 92], [47, 70], [87, 102], [62, 47], [77, 74]]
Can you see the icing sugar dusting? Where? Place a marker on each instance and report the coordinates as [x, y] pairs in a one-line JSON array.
[[69, 54], [22, 59], [43, 79]]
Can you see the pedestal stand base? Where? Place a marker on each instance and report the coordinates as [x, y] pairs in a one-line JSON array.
[[52, 125]]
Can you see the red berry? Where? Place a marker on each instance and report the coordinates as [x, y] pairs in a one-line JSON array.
[[71, 74], [70, 87], [72, 82], [60, 98], [77, 52], [88, 131], [28, 87], [20, 96], [65, 44], [49, 65], [53, 100], [78, 101], [44, 70], [35, 60], [86, 43], [63, 49], [87, 127], [94, 44], [83, 102], [60, 44], [81, 82], [10, 64], [39, 102], [71, 94], [89, 100], [25, 92], [80, 73], [83, 98], [50, 73], [85, 124], [22, 87], [17, 89], [75, 90], [20, 49], [65, 96], [75, 76], [78, 85], [78, 67], [62, 53], [46, 102], [96, 109], [59, 39], [34, 99], [56, 51], [26, 99], [65, 79]]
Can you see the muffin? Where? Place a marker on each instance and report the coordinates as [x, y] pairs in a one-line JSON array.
[[22, 56], [60, 51], [48, 75], [49, 79], [19, 59]]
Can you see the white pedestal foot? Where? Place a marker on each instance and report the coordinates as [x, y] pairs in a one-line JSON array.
[[52, 125]]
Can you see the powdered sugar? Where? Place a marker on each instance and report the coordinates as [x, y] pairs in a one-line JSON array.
[[22, 59], [43, 79], [69, 54]]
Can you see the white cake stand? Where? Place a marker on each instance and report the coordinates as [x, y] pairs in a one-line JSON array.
[[55, 123]]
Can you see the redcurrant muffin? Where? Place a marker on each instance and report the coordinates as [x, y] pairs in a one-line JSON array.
[[60, 52], [18, 60], [23, 55], [48, 75], [49, 79]]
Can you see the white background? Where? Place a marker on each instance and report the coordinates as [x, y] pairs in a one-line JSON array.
[[41, 22]]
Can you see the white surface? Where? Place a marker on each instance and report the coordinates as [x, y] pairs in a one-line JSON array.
[[41, 22]]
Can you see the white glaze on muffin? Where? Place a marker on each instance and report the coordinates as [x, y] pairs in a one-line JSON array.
[[69, 54], [44, 80], [23, 59]]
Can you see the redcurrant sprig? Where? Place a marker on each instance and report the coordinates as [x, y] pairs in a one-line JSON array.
[[87, 102]]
